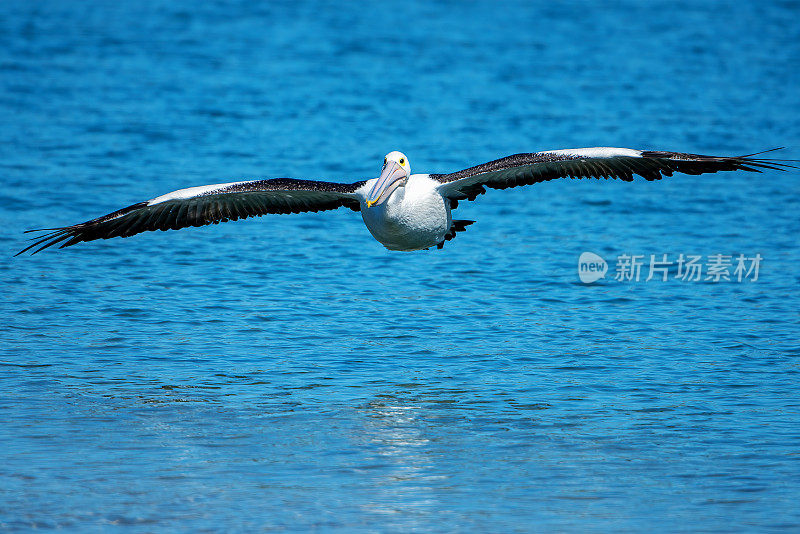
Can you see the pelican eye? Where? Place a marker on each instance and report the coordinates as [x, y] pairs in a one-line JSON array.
[[402, 161]]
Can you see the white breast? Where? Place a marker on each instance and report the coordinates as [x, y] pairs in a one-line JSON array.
[[416, 216]]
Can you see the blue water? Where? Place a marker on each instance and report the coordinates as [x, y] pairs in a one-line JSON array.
[[288, 373]]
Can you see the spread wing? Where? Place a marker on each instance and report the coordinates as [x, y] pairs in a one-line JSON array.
[[598, 162], [209, 204]]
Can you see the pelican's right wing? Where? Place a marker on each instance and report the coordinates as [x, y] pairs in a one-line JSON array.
[[209, 204], [598, 162]]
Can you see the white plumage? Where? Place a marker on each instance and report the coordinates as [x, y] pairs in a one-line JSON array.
[[414, 217]]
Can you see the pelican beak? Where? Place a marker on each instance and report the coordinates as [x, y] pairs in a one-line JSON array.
[[391, 178]]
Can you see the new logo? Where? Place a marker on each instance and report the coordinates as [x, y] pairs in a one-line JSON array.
[[591, 267]]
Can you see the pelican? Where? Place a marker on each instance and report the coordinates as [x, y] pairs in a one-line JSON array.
[[402, 211]]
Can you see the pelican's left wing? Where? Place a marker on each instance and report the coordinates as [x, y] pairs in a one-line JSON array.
[[598, 162], [208, 204]]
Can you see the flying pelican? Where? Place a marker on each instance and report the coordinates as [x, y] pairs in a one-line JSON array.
[[403, 211]]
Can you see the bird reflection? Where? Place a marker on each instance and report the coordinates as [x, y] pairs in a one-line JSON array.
[[402, 468]]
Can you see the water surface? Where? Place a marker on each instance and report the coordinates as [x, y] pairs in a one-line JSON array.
[[289, 373]]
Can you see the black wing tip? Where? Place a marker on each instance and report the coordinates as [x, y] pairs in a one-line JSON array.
[[42, 230], [55, 236], [763, 152], [745, 162], [75, 233], [778, 164]]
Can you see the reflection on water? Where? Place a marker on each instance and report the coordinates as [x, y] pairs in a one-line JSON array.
[[402, 484]]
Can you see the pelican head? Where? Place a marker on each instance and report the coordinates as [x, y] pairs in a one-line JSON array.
[[394, 174]]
